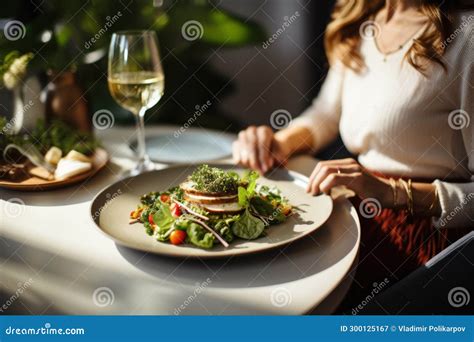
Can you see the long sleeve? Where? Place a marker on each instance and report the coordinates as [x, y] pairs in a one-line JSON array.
[[322, 117], [457, 199]]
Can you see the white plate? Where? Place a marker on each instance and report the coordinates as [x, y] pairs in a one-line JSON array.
[[111, 207], [191, 146]]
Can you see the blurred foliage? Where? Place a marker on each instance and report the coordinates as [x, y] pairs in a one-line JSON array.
[[43, 137], [59, 34]]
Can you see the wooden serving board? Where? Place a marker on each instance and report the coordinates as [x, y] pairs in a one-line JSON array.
[[99, 160]]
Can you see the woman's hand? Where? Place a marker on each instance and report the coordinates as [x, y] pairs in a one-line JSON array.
[[348, 172], [259, 149]]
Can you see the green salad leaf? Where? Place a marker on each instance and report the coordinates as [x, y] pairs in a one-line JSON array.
[[163, 220], [265, 208], [148, 228], [246, 193], [243, 198], [278, 216], [224, 228], [262, 206], [200, 237], [182, 223], [150, 198], [271, 193], [162, 234], [248, 226], [163, 217]]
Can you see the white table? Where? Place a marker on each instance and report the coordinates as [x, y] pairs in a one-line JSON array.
[[51, 244]]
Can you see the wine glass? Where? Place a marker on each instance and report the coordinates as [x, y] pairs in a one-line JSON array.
[[136, 81]]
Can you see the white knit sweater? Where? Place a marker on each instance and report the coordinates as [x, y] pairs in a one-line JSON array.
[[401, 123]]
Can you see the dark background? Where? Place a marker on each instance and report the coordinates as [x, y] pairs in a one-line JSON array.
[[287, 75]]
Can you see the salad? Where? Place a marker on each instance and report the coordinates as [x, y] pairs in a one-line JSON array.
[[212, 206]]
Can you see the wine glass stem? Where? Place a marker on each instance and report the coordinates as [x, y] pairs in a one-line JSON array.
[[141, 148]]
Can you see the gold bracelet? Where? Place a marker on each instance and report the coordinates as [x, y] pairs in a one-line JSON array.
[[407, 187], [393, 184], [430, 209], [403, 186], [411, 209]]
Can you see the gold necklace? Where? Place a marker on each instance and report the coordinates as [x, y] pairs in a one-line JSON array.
[[385, 55]]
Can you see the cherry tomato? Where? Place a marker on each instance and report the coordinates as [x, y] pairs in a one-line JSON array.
[[165, 198], [150, 219], [177, 237], [175, 210]]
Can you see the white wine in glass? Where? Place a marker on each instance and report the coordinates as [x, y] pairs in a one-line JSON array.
[[137, 89], [136, 81]]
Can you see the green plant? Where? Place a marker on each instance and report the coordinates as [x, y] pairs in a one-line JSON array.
[[75, 35], [13, 68], [43, 138]]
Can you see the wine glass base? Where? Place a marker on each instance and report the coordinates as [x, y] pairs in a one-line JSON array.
[[141, 167]]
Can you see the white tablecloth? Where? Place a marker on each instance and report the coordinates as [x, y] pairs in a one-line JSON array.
[[50, 250]]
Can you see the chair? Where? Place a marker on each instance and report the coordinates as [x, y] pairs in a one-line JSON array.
[[443, 286]]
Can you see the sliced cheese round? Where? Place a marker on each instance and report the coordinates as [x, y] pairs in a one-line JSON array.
[[223, 208], [206, 199]]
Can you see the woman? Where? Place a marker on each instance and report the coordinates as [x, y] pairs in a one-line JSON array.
[[400, 91]]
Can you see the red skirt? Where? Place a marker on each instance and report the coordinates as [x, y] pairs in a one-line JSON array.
[[393, 244]]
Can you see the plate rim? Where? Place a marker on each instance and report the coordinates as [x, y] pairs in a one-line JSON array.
[[224, 135], [240, 253]]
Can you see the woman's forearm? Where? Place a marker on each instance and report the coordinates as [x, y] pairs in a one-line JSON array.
[[423, 195], [296, 139]]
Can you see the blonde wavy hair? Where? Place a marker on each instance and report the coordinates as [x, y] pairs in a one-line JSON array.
[[343, 36]]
